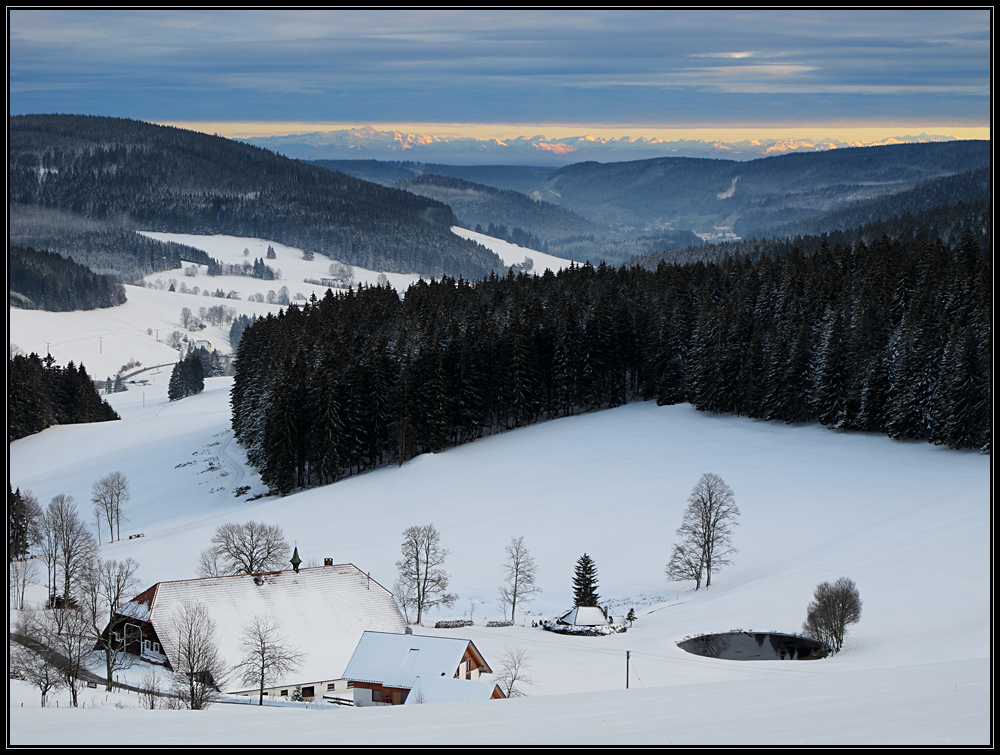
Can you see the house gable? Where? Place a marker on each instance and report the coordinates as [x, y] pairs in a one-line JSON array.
[[390, 665]]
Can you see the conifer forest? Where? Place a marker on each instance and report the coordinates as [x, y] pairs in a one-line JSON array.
[[888, 337], [40, 394]]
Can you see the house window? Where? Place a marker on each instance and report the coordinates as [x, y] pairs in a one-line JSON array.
[[376, 696], [156, 647], [308, 692], [350, 685], [330, 686], [284, 693]]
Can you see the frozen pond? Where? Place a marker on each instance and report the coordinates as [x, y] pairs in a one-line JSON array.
[[755, 646]]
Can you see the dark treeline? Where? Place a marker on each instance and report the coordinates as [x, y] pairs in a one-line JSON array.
[[515, 235], [44, 280], [258, 269], [41, 394], [889, 337]]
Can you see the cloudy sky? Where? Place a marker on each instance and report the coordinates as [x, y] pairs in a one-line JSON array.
[[502, 73]]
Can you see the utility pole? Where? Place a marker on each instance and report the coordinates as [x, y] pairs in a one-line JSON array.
[[628, 655]]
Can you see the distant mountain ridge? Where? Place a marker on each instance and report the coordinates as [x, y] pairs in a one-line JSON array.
[[709, 195], [713, 198], [367, 142], [136, 175]]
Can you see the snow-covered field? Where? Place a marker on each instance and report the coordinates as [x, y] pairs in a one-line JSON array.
[[909, 523], [512, 254], [105, 339]]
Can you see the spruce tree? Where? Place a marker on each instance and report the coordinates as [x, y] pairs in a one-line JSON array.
[[585, 582], [177, 388]]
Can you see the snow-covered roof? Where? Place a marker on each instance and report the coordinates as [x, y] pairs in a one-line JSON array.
[[429, 689], [585, 616], [323, 612], [396, 660]]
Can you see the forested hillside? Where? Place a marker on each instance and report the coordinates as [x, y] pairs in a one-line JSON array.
[[477, 204], [891, 337], [520, 178], [949, 223], [700, 194], [136, 175], [40, 394], [970, 189], [43, 280], [540, 225]]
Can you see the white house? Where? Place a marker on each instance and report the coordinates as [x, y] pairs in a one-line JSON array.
[[323, 612], [396, 669]]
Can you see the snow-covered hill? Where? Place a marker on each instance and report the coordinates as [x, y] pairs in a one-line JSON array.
[[910, 523]]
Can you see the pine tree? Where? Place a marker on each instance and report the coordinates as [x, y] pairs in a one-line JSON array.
[[585, 582]]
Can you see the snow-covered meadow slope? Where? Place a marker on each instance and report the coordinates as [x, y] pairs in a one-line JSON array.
[[910, 523], [106, 339]]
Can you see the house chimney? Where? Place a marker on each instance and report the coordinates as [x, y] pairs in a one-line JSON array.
[[327, 562], [409, 630]]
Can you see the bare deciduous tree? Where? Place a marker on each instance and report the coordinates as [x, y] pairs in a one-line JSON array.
[[208, 564], [48, 549], [513, 668], [419, 572], [520, 572], [706, 532], [21, 573], [266, 655], [149, 689], [685, 563], [61, 638], [67, 544], [33, 658], [74, 642], [245, 548], [107, 586], [404, 595], [198, 664], [109, 495], [832, 609]]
